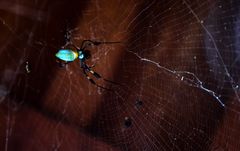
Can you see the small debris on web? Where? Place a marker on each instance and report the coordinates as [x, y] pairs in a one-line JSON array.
[[138, 103], [127, 122], [27, 67]]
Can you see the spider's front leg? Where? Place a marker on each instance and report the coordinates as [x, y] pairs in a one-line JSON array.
[[96, 43], [89, 69], [87, 43], [98, 76], [92, 81], [95, 74], [86, 69]]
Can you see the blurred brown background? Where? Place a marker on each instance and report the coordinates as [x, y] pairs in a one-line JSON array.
[[53, 108]]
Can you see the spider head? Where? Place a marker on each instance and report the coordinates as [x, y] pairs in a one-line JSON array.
[[84, 54]]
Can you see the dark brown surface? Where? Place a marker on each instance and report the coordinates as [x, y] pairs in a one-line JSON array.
[[57, 108]]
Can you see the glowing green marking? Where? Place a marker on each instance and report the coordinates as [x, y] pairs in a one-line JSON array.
[[66, 55]]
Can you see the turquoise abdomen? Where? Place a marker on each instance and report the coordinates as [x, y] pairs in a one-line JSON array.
[[66, 55]]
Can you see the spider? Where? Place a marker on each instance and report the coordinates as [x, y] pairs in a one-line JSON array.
[[67, 55]]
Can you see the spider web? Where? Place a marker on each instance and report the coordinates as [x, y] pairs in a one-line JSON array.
[[177, 69]]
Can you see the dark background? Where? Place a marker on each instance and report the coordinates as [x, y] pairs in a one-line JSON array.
[[175, 61]]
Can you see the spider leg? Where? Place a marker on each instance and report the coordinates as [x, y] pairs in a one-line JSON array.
[[95, 74], [83, 45], [93, 82], [89, 69], [98, 76], [96, 43]]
